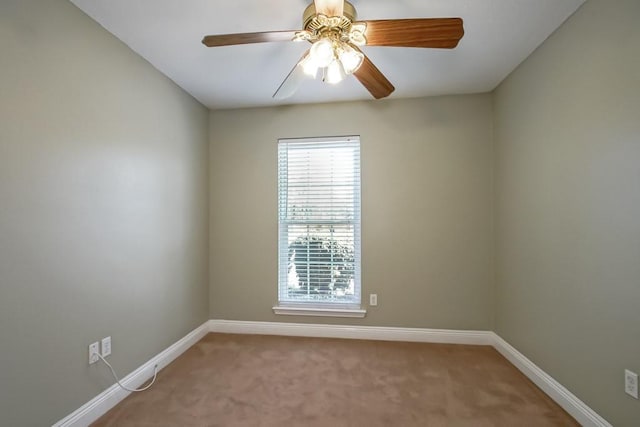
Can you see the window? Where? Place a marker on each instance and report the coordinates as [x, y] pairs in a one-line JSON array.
[[319, 226]]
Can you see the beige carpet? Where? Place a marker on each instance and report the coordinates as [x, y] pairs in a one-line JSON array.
[[251, 380]]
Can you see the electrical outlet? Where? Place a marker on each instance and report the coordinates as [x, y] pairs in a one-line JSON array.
[[373, 300], [94, 349], [106, 346], [631, 383]]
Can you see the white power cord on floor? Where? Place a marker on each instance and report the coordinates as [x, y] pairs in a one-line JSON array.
[[155, 374]]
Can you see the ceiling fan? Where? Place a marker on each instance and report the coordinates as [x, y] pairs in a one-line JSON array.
[[336, 35]]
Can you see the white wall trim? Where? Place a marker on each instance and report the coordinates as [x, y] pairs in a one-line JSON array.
[[319, 311], [353, 332], [556, 391], [99, 405], [106, 400], [586, 416]]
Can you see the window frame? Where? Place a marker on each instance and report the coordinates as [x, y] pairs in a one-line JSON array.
[[316, 308]]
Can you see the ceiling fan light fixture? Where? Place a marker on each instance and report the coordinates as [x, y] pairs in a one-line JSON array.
[[334, 73], [335, 35], [351, 59], [322, 52]]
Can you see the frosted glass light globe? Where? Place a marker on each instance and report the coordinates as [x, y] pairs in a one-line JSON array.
[[335, 73], [351, 59], [309, 66], [322, 53]]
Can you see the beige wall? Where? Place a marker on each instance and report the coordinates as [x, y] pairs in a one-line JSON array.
[[568, 213], [104, 222], [426, 208], [103, 213]]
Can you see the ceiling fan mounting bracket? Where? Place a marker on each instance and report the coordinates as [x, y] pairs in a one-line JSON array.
[[310, 14], [336, 28]]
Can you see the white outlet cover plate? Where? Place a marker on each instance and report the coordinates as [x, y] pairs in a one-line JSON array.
[[94, 349], [631, 383], [373, 299], [106, 346]]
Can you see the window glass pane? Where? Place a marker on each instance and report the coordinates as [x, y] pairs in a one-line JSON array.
[[321, 262], [319, 211]]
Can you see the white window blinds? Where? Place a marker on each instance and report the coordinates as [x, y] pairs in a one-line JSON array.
[[319, 221]]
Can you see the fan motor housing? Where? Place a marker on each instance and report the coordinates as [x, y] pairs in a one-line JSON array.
[[310, 13]]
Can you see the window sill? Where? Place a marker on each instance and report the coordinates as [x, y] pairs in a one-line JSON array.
[[319, 311]]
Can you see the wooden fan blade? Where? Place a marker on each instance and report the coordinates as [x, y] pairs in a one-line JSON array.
[[443, 33], [292, 82], [329, 7], [373, 79], [247, 38]]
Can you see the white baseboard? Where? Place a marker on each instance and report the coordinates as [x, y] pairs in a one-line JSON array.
[[106, 400], [563, 397], [442, 336], [99, 405], [586, 416]]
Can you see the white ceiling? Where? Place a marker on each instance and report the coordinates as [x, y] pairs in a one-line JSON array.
[[499, 35]]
